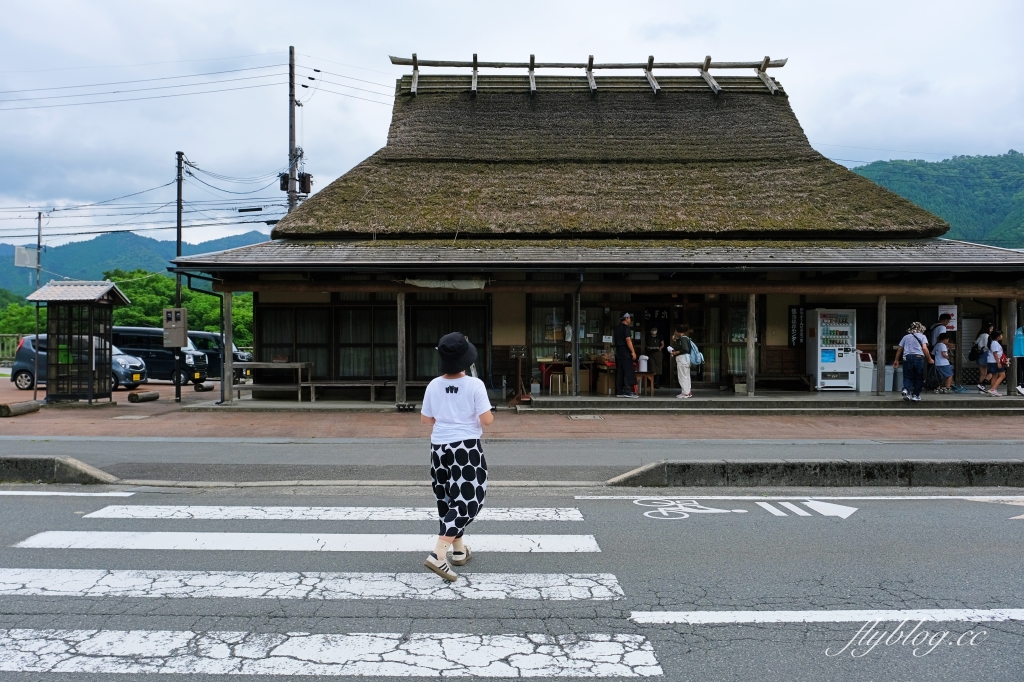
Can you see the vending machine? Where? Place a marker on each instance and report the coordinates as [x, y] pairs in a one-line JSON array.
[[832, 349]]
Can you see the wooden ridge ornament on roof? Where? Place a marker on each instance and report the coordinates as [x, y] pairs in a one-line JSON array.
[[664, 158]]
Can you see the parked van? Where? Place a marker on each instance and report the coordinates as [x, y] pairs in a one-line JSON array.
[[148, 344], [212, 344], [126, 370]]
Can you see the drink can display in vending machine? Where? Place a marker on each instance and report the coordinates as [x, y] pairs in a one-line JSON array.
[[832, 349]]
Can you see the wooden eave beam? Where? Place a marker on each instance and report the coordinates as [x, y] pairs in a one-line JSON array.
[[474, 73], [533, 80], [765, 78], [712, 83], [415, 74], [405, 61], [800, 287], [590, 75], [650, 75]]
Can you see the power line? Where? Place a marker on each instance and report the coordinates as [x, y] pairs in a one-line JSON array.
[[387, 104], [227, 191], [137, 99], [375, 92], [351, 66], [142, 80], [127, 66], [341, 75], [155, 87], [170, 226], [876, 149]]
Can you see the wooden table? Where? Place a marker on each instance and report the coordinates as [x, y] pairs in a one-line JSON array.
[[297, 366], [548, 367]]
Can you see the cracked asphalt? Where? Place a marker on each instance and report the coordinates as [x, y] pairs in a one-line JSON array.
[[294, 621]]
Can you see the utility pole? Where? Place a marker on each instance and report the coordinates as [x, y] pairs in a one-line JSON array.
[[177, 286], [293, 195], [39, 247]]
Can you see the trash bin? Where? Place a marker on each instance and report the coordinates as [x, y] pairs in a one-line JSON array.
[[642, 363], [897, 379], [866, 373]]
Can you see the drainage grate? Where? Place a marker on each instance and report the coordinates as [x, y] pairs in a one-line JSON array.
[[585, 416]]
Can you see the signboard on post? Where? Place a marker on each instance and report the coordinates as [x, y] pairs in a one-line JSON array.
[[26, 257], [175, 327], [797, 326], [951, 311]]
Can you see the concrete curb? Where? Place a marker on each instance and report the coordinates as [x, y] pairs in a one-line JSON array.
[[345, 483], [831, 473], [30, 469]]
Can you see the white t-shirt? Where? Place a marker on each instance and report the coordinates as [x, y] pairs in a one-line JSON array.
[[995, 349], [456, 405], [936, 330], [937, 352], [982, 341], [911, 344]]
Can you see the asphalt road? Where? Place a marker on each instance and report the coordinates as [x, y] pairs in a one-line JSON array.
[[515, 612], [261, 459]]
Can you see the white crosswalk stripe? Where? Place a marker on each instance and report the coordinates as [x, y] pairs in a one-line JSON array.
[[326, 513], [306, 585], [298, 542], [139, 651], [355, 654]]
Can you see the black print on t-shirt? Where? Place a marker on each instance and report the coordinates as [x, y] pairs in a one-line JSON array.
[[451, 389]]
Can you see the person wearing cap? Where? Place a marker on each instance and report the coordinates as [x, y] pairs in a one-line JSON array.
[[914, 350], [457, 408], [625, 354]]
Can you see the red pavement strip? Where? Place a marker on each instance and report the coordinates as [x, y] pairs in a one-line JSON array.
[[165, 420]]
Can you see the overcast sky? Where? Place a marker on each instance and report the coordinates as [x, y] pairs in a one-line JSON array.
[[868, 80]]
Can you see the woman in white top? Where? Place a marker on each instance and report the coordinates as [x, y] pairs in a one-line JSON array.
[[457, 407], [996, 362]]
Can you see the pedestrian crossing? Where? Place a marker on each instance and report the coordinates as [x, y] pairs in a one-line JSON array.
[[370, 654]]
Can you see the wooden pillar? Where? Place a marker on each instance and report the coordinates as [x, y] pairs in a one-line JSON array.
[[576, 344], [960, 355], [751, 339], [880, 361], [400, 384], [1010, 317], [228, 371]]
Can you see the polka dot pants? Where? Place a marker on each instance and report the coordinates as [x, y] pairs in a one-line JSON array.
[[458, 472]]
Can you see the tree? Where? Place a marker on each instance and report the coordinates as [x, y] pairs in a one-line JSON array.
[[151, 292], [21, 319]]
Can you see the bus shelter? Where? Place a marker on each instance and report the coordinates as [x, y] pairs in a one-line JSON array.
[[79, 327]]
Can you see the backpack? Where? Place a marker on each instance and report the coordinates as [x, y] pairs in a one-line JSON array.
[[696, 357], [932, 380]]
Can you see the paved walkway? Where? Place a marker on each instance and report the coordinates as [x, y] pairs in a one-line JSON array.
[[165, 418]]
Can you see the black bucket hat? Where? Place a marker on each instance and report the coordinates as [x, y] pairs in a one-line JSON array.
[[456, 352]]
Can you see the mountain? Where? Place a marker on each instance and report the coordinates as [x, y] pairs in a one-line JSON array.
[[8, 297], [981, 197], [123, 250]]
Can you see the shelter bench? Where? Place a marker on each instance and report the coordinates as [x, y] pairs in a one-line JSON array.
[[372, 384]]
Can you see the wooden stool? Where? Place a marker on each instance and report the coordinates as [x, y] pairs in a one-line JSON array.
[[559, 385], [645, 378]]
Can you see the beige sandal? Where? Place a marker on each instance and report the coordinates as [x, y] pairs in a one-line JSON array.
[[441, 569], [460, 558]]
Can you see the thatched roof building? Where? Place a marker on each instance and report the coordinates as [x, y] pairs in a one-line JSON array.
[[560, 201], [623, 163]]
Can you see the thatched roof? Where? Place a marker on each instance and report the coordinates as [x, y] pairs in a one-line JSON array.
[[623, 162]]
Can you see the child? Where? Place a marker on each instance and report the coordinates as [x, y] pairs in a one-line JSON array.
[[942, 364], [996, 363], [457, 407]]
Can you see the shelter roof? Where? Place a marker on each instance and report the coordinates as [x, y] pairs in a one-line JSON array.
[[78, 291], [678, 254], [621, 160]]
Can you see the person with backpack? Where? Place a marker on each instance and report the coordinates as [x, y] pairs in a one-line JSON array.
[[914, 350], [979, 354], [997, 362], [938, 328], [682, 346]]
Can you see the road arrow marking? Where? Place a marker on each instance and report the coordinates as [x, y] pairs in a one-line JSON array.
[[830, 509]]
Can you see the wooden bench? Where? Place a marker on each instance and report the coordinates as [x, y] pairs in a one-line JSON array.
[[372, 384]]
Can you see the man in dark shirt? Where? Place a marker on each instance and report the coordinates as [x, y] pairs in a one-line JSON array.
[[625, 354]]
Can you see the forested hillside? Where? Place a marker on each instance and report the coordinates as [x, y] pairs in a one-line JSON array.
[[981, 197]]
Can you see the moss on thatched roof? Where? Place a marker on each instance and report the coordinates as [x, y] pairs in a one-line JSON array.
[[624, 162]]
